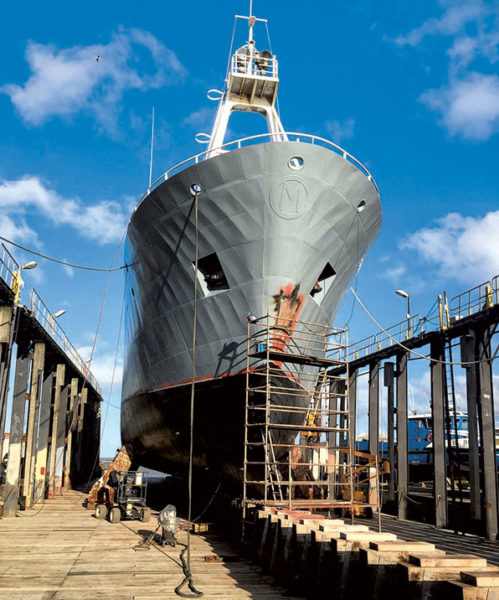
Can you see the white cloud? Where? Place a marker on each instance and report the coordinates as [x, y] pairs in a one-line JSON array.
[[202, 118], [103, 222], [457, 14], [394, 273], [340, 130], [462, 248], [67, 81], [468, 107], [68, 270], [104, 369], [468, 103]]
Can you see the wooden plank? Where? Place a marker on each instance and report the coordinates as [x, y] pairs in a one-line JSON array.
[[486, 578], [63, 552]]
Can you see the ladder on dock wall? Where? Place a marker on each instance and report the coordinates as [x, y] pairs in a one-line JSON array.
[[298, 448]]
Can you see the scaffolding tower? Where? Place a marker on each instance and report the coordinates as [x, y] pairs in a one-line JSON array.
[[298, 451]]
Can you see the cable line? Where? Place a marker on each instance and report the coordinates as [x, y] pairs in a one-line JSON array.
[[63, 262]]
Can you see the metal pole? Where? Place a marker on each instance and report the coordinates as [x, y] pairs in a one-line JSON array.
[[402, 445], [389, 369], [438, 432], [468, 356], [11, 490], [374, 407], [73, 405], [8, 338], [59, 382], [43, 434], [33, 410], [487, 428], [352, 389]]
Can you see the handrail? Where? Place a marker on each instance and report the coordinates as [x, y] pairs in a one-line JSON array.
[[475, 299], [250, 140], [465, 304], [50, 324], [379, 341], [254, 65], [8, 266]]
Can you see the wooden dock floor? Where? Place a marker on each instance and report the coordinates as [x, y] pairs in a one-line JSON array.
[[60, 551]]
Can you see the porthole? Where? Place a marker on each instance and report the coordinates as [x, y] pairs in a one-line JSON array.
[[296, 163], [361, 205]]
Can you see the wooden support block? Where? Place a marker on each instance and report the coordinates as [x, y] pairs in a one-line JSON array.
[[458, 590], [369, 556], [367, 536], [449, 560], [313, 519], [445, 573], [331, 524], [487, 578], [301, 529], [402, 546]]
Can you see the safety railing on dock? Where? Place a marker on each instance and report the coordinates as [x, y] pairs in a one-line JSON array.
[[474, 300], [400, 332], [468, 303], [50, 324], [8, 265]]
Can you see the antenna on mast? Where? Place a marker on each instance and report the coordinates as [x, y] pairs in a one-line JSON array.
[[152, 147], [251, 21]]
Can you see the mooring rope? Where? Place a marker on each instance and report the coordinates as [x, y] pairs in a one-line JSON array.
[[186, 564]]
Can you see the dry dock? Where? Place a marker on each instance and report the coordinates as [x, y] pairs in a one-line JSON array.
[[62, 552]]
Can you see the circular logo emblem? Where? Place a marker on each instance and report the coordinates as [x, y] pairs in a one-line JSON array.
[[288, 199]]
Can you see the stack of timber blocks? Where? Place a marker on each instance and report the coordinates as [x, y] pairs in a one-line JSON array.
[[315, 557]]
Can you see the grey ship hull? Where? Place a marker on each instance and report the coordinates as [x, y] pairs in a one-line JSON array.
[[274, 230]]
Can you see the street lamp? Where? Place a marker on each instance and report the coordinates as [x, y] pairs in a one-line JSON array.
[[17, 282], [408, 316], [59, 313], [30, 265]]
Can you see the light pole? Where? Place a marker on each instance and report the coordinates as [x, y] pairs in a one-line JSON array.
[[408, 316]]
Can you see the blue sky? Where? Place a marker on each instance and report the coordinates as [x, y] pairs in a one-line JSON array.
[[409, 88]]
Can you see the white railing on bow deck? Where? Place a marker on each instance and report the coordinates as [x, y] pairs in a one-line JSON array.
[[259, 139]]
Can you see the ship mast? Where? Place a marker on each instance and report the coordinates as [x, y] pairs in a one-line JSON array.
[[251, 86]]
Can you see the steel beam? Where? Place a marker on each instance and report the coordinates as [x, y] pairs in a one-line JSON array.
[[37, 366], [374, 407], [487, 428], [43, 434], [437, 353], [388, 374], [59, 382], [402, 442], [468, 356], [12, 483]]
